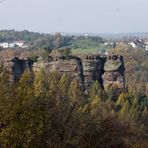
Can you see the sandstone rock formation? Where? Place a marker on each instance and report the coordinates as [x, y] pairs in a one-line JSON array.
[[72, 66], [92, 69], [114, 73], [17, 67], [109, 71]]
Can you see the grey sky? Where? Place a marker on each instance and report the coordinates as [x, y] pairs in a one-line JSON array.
[[95, 16]]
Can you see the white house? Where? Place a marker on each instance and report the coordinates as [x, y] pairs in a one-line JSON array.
[[146, 48], [19, 43], [7, 45], [4, 45], [11, 45], [133, 44]]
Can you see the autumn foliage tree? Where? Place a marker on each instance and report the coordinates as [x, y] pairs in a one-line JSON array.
[[51, 110]]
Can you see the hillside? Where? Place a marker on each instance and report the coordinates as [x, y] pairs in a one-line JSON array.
[[50, 41], [53, 98]]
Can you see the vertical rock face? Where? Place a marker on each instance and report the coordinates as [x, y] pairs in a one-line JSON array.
[[17, 67], [109, 71], [92, 70], [114, 73], [72, 66]]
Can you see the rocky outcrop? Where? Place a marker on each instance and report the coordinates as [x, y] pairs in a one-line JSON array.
[[114, 73], [17, 67], [109, 71], [71, 65], [92, 69]]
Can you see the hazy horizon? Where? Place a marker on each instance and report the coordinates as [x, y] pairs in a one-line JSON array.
[[75, 16]]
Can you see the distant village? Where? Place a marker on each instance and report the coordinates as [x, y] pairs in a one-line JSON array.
[[134, 43], [20, 44], [138, 43]]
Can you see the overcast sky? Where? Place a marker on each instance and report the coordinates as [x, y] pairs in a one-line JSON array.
[[75, 16]]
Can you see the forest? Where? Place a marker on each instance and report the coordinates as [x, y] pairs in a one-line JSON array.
[[50, 110]]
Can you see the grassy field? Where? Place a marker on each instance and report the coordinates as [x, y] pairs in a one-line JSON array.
[[84, 51], [87, 45], [89, 50]]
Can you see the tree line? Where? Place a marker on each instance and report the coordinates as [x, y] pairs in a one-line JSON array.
[[50, 110], [48, 41], [136, 71]]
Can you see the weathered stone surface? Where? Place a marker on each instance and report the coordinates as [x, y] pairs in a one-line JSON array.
[[114, 73], [72, 66], [112, 65], [17, 67], [109, 71], [92, 70]]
